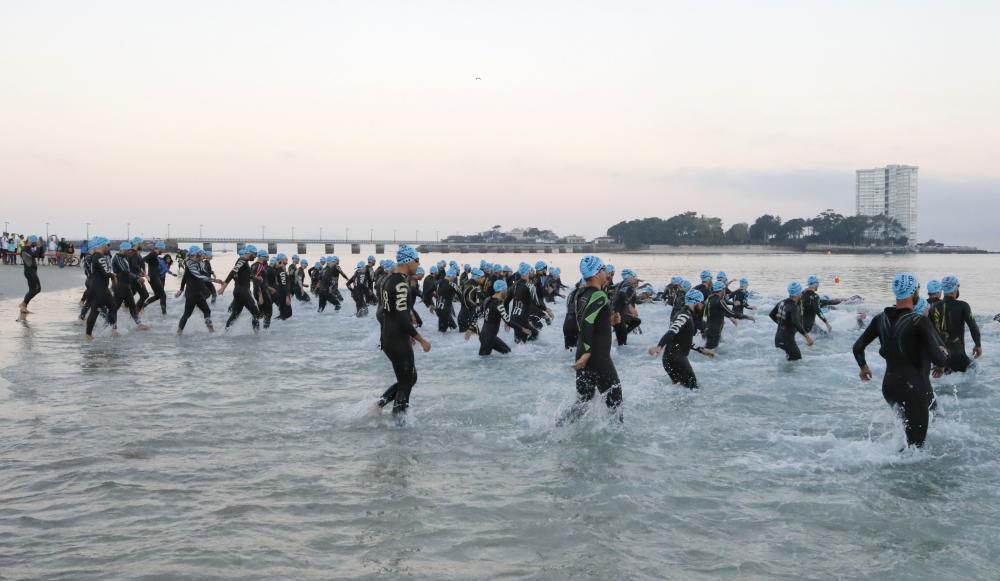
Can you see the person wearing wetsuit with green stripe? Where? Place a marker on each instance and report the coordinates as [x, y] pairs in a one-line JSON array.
[[812, 306], [595, 371], [950, 317], [788, 317]]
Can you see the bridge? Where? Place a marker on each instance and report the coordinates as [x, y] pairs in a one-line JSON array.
[[330, 245]]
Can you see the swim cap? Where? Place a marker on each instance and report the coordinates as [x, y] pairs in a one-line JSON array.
[[610, 268], [693, 297], [295, 257], [676, 280], [721, 276], [32, 239], [744, 282], [406, 254], [904, 285], [390, 264], [686, 285], [434, 270], [934, 286], [813, 280], [555, 272], [420, 271], [98, 241], [628, 273], [442, 263], [949, 284], [524, 269], [794, 289], [540, 265], [194, 250], [249, 249], [160, 245], [322, 260], [467, 267], [124, 246], [497, 267], [274, 260], [361, 264], [280, 257], [590, 265], [477, 273], [507, 268], [305, 262], [706, 275], [333, 258], [452, 271], [921, 306], [371, 258], [717, 286], [136, 240], [262, 253], [207, 253], [499, 286]]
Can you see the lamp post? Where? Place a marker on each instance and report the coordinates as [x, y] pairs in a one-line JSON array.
[[128, 230], [5, 224], [262, 233], [46, 231], [200, 235], [347, 233], [393, 234], [293, 232], [416, 236], [168, 231], [88, 230], [321, 233], [437, 234], [371, 235]]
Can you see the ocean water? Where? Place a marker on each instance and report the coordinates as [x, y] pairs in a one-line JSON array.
[[235, 456]]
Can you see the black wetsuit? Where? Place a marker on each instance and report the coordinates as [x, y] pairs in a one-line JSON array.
[[521, 303], [210, 290], [741, 300], [909, 345], [489, 340], [446, 293], [284, 289], [718, 311], [427, 296], [193, 282], [789, 319], [327, 289], [137, 267], [99, 298], [30, 263], [262, 291], [152, 261], [414, 293], [125, 283], [359, 284], [570, 330], [85, 262], [625, 298], [314, 273], [300, 290], [676, 344], [812, 309], [471, 298], [950, 317], [397, 333], [242, 297], [677, 302], [593, 318]]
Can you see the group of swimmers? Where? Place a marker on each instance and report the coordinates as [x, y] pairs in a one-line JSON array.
[[919, 337]]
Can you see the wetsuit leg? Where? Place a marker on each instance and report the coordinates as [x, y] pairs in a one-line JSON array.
[[322, 302], [158, 294], [405, 369], [34, 286], [680, 371], [788, 344], [189, 304], [140, 288], [100, 298], [712, 338], [958, 359], [621, 334], [123, 295], [600, 378], [912, 398]]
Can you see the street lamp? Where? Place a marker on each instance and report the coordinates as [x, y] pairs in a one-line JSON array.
[[5, 224], [128, 230], [347, 233], [262, 233], [88, 230], [168, 231], [293, 232], [46, 230], [437, 234], [200, 235], [371, 235], [393, 234], [416, 236], [321, 233]]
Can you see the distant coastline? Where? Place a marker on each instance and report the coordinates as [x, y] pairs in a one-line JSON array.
[[808, 249]]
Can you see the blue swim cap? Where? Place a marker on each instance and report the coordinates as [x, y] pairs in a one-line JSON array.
[[406, 254], [610, 268], [280, 256], [813, 280], [676, 280], [693, 297], [590, 265], [390, 264], [160, 245], [249, 249], [434, 269], [478, 273], [295, 257], [904, 285], [794, 289], [32, 239], [194, 250], [686, 285], [322, 260], [361, 264], [628, 273], [706, 275], [540, 265], [921, 307], [420, 271], [467, 267], [442, 263], [717, 286], [371, 258], [136, 240], [934, 286], [721, 276], [124, 246], [524, 269], [305, 262], [744, 282], [483, 263], [274, 260], [499, 286], [497, 267], [207, 253], [507, 268], [262, 253], [452, 271], [555, 272], [98, 241], [333, 258], [949, 284]]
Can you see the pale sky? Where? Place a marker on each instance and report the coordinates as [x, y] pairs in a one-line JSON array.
[[368, 114]]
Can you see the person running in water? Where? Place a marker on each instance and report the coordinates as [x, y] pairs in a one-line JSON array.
[[933, 292], [398, 332], [358, 286], [624, 305], [193, 284], [595, 371], [489, 340], [125, 281], [950, 317], [99, 298], [789, 319], [812, 306], [152, 261], [909, 346], [472, 297], [678, 341], [242, 297], [718, 312], [29, 260], [447, 290], [741, 297]]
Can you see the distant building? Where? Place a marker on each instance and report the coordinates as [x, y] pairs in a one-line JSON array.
[[605, 240], [890, 191], [574, 239]]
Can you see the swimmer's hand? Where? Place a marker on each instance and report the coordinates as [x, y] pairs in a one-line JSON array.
[[581, 362], [865, 374], [616, 318], [977, 352], [424, 344], [809, 340], [655, 350]]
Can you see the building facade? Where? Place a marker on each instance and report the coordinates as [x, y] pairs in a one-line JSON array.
[[890, 191]]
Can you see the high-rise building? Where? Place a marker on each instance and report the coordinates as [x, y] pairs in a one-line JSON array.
[[890, 191]]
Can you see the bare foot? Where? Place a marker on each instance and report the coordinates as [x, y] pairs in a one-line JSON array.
[[211, 329], [375, 411], [180, 332], [22, 307], [88, 338], [142, 327], [115, 333]]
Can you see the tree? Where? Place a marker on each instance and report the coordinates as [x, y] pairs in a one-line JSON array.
[[792, 229], [738, 233], [765, 228]]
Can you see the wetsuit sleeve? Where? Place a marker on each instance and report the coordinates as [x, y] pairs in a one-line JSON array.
[[865, 340], [774, 313], [352, 281], [730, 312], [973, 327], [675, 328], [933, 344], [796, 321], [588, 319], [339, 270], [235, 270]]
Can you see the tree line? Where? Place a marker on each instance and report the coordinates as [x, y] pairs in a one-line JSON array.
[[828, 227]]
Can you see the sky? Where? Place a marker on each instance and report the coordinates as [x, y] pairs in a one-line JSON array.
[[362, 116]]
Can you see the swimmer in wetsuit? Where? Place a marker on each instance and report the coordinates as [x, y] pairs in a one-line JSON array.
[[99, 297], [193, 284], [718, 312], [950, 317], [29, 260], [398, 332], [152, 261], [909, 346], [678, 341], [624, 305], [789, 319], [489, 340], [358, 285], [595, 371], [242, 297], [741, 297], [812, 306]]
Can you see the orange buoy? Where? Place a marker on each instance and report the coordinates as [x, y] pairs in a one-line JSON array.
[[836, 280]]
